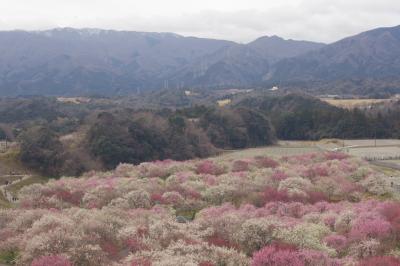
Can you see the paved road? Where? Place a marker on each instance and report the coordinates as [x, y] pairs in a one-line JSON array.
[[386, 164]]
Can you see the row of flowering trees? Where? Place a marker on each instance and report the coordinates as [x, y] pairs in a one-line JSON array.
[[313, 209]]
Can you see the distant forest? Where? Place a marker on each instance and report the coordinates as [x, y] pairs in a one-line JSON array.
[[58, 138]]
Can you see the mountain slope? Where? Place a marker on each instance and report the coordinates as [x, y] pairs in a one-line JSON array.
[[275, 48], [242, 65], [92, 61], [69, 61], [237, 65], [373, 54]]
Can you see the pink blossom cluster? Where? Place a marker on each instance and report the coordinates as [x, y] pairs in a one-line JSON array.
[[313, 209]]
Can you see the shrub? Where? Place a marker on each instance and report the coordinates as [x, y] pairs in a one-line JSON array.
[[140, 262], [336, 156], [366, 248], [210, 168], [277, 256], [380, 261], [174, 198], [206, 263], [219, 241], [295, 186], [266, 162], [138, 199], [391, 211], [240, 166], [365, 228], [271, 194], [52, 260], [316, 258], [337, 242], [279, 176], [256, 233]]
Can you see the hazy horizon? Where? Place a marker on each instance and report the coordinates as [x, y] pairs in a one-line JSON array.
[[315, 20]]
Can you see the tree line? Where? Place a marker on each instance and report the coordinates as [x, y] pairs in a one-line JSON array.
[[65, 139]]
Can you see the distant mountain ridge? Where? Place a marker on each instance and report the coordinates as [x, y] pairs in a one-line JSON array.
[[75, 62], [83, 61], [371, 56], [70, 62], [276, 48]]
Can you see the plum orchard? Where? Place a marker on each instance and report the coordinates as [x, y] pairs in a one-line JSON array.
[[313, 209]]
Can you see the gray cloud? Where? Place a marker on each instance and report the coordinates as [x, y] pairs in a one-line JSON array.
[[317, 20]]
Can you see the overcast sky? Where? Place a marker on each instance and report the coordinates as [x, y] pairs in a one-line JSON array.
[[242, 21]]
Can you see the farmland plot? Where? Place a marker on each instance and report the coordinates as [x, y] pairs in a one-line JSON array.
[[274, 151], [376, 153]]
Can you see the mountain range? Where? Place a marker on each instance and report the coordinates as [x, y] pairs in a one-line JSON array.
[[72, 62], [369, 59]]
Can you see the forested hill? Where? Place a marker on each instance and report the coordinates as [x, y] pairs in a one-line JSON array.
[[64, 138]]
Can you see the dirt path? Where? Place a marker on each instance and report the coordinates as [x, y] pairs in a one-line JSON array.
[[4, 188]]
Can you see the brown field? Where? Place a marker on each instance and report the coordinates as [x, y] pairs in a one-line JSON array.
[[354, 103], [283, 148], [75, 100], [269, 151]]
